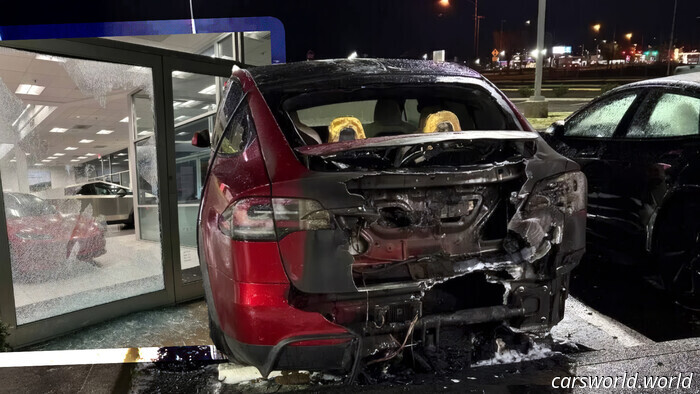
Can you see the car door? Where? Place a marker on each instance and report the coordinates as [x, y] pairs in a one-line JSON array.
[[591, 138], [661, 144]]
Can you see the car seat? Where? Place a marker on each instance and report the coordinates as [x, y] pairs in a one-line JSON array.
[[441, 121], [388, 119], [309, 135], [345, 128]]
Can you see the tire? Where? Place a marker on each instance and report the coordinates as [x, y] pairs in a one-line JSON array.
[[677, 251]]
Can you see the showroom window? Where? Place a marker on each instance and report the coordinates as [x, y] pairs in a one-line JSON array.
[[66, 123]]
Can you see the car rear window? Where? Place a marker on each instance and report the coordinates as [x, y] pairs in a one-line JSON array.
[[332, 116]]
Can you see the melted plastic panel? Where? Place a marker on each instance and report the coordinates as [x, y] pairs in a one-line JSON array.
[[64, 128]]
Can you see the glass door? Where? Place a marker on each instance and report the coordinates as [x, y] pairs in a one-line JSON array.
[[196, 91], [81, 241]]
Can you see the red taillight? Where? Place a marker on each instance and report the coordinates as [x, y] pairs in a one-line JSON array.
[[266, 219]]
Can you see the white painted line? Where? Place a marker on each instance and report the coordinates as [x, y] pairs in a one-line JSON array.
[[86, 357], [230, 373]]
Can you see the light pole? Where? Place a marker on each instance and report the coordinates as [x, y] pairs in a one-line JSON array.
[[446, 4], [670, 44], [540, 50], [536, 106], [500, 37]]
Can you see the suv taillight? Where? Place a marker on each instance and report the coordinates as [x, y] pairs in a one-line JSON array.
[[266, 219]]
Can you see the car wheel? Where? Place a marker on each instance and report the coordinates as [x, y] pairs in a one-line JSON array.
[[678, 253]]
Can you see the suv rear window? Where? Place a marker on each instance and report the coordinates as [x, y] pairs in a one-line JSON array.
[[331, 116]]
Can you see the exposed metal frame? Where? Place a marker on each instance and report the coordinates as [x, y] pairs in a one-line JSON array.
[[161, 62]]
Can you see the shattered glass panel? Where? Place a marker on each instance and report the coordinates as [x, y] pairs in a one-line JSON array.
[[64, 124], [673, 115], [601, 120]]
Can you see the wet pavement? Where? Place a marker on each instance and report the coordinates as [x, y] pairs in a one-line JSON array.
[[632, 297], [617, 323], [660, 359]]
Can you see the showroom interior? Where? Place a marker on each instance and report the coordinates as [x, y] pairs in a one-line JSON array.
[[101, 183]]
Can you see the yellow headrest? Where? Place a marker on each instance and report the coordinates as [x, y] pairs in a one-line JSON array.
[[342, 123], [441, 121]]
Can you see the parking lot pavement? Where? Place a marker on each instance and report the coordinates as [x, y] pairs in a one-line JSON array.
[[600, 340], [563, 104], [209, 375], [585, 326]]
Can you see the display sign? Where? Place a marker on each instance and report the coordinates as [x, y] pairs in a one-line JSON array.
[[561, 50]]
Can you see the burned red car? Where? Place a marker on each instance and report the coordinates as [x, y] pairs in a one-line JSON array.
[[44, 240], [352, 206]]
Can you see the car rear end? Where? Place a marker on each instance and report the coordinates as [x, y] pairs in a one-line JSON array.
[[342, 251]]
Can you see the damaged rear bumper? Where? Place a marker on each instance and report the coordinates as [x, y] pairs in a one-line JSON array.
[[532, 305]]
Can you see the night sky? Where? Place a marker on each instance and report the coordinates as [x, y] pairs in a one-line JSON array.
[[395, 28]]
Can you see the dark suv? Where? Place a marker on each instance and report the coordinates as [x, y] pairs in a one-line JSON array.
[[352, 206]]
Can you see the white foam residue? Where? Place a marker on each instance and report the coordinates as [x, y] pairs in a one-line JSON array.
[[510, 356]]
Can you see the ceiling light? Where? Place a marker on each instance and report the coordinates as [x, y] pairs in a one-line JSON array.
[[33, 90], [46, 161], [82, 157], [181, 117], [71, 148], [146, 132], [74, 160], [126, 160], [20, 115], [52, 157], [121, 154], [86, 141], [59, 154], [208, 90], [90, 154], [13, 161], [38, 164], [105, 132], [58, 130], [51, 58], [125, 120]]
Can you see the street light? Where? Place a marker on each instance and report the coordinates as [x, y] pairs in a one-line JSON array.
[[445, 3], [628, 36], [352, 56], [596, 27]]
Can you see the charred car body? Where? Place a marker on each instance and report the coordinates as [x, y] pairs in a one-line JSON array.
[[352, 203], [639, 146]]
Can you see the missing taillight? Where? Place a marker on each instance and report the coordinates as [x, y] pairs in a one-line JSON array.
[[266, 219]]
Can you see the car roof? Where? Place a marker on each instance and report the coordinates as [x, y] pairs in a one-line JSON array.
[[315, 71], [94, 182], [688, 80]]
